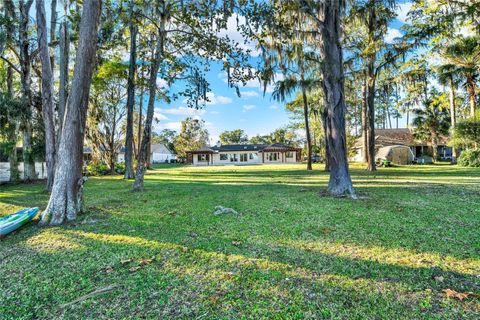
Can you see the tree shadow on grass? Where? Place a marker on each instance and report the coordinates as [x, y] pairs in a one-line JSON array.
[[226, 280]]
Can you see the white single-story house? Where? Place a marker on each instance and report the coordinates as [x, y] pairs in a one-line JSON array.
[[244, 154]]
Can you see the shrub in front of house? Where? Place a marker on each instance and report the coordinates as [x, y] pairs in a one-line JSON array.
[[96, 169], [120, 168], [469, 158]]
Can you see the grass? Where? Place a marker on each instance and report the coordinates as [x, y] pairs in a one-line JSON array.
[[291, 253]]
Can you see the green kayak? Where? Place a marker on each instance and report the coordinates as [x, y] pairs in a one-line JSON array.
[[15, 220]]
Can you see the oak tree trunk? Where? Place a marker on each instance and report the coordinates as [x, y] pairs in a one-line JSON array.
[[47, 94], [333, 86], [129, 174], [66, 197]]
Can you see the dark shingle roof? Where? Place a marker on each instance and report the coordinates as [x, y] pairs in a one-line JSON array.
[[239, 147]]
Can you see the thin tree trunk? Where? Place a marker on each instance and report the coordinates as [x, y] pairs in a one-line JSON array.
[[307, 129], [434, 147], [13, 132], [112, 152], [453, 116], [66, 197], [12, 156], [25, 67], [471, 95], [408, 117], [327, 152], [140, 115], [53, 27], [63, 89], [371, 115], [129, 174], [47, 94], [364, 120], [340, 182], [143, 152]]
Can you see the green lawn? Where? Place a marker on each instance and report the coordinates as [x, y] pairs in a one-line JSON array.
[[291, 253]]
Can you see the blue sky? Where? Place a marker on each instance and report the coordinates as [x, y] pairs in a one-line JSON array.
[[253, 112]]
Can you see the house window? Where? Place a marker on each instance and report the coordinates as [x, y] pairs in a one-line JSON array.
[[243, 157], [290, 154], [202, 157], [224, 157], [250, 155], [233, 157], [273, 156]]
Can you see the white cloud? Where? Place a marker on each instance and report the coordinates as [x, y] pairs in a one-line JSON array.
[[183, 111], [233, 24], [247, 107], [214, 99], [167, 125], [162, 83], [273, 106], [249, 93], [392, 34], [158, 115], [402, 11]]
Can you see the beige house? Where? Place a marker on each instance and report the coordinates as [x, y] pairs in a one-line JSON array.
[[404, 137], [244, 154]]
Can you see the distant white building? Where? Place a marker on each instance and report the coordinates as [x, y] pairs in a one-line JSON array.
[[159, 153], [244, 154]]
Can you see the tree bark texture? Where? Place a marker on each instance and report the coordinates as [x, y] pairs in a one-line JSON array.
[[66, 197], [371, 115], [327, 152], [53, 27], [340, 183], [453, 116], [364, 121], [129, 173], [63, 88], [47, 94], [143, 152], [26, 82], [307, 129], [471, 95]]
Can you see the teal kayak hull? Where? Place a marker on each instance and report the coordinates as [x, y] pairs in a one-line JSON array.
[[15, 220]]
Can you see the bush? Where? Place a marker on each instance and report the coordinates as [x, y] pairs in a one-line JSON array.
[[120, 168], [469, 158], [96, 169]]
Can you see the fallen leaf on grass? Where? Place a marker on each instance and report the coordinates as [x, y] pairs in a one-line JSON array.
[[184, 249], [107, 269], [134, 269], [125, 261], [439, 279], [449, 293], [236, 243], [144, 262]]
